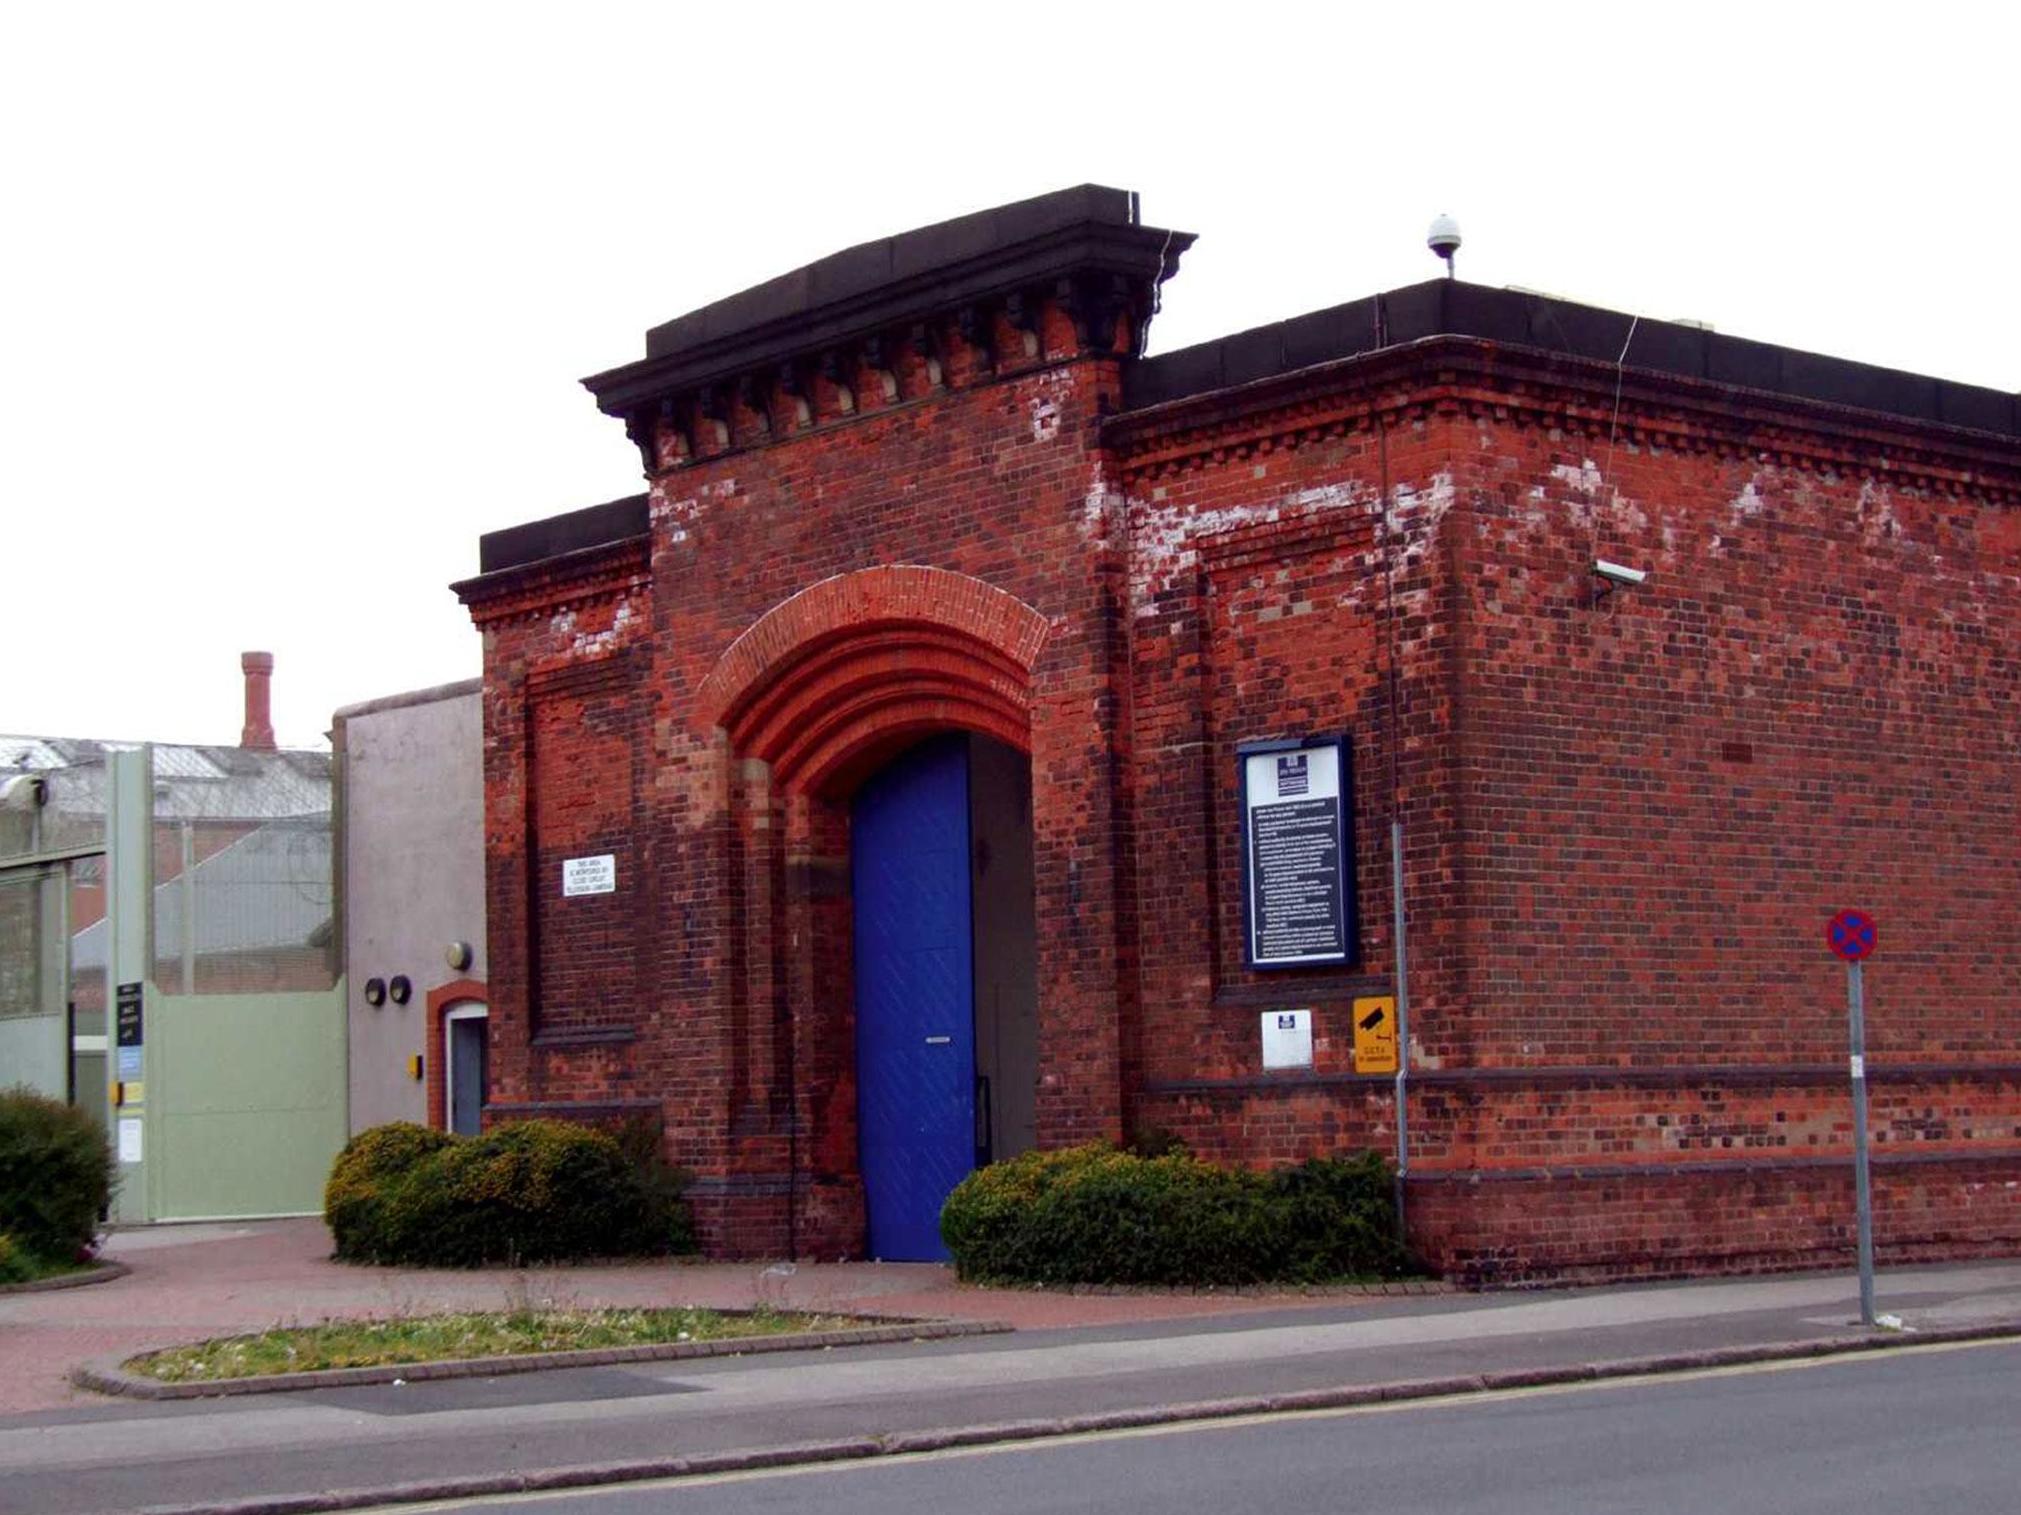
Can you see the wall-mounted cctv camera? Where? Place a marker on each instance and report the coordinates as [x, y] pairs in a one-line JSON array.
[[1613, 576], [23, 791]]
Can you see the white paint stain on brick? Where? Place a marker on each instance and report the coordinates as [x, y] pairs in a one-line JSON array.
[[1876, 514], [1164, 537], [677, 515], [1044, 401], [1102, 510], [1045, 418], [1583, 479], [1585, 492], [1744, 508], [1416, 515], [589, 643], [1749, 503]]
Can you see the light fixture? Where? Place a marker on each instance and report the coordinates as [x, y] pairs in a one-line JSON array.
[[459, 956], [400, 988], [375, 992]]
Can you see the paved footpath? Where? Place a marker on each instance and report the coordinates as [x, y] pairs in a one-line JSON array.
[[1074, 1361], [190, 1282]]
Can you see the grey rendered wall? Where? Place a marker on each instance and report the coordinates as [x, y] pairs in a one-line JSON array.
[[411, 769]]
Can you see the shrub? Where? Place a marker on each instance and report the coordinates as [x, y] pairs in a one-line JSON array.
[[666, 1185], [1339, 1218], [1096, 1215], [1157, 1141], [15, 1265], [372, 1164], [56, 1176], [986, 1221], [527, 1191]]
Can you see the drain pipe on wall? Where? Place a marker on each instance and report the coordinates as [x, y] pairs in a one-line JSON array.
[[1395, 807]]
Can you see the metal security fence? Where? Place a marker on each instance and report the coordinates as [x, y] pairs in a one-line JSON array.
[[221, 1078]]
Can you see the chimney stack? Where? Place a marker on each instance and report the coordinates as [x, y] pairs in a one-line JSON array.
[[258, 667]]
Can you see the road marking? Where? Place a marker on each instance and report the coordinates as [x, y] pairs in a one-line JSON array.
[[1211, 1423]]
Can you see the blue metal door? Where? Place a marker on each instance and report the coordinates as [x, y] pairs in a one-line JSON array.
[[915, 1017]]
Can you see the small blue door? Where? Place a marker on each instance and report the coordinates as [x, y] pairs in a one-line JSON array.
[[915, 1015]]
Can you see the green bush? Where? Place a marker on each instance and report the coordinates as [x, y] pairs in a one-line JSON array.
[[15, 1265], [639, 1140], [1096, 1215], [527, 1191], [1339, 1219], [56, 1176], [1156, 1141], [372, 1164]]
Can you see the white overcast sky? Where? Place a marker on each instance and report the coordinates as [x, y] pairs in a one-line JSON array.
[[294, 299]]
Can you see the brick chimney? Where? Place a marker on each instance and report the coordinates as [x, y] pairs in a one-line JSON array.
[[258, 668]]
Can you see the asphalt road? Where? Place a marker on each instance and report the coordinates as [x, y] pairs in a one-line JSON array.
[[1928, 1430], [352, 1446], [134, 1455]]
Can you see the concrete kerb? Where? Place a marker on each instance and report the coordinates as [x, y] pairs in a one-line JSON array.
[[1379, 1288], [101, 1273], [857, 1448], [109, 1377]]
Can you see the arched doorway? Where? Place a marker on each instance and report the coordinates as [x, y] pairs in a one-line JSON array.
[[457, 1054], [945, 960], [816, 710]]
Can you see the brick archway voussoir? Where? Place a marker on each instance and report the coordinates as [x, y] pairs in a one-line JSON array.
[[902, 594]]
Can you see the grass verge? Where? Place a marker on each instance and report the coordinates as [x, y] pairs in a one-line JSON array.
[[437, 1338]]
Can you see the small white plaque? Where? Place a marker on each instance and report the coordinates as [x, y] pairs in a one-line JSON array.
[[1287, 1039], [129, 1141], [589, 875], [1859, 1067]]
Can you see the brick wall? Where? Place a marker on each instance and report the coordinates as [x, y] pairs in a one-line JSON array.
[[1629, 815], [961, 526], [1626, 819]]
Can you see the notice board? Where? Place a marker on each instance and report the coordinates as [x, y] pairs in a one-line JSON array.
[[1297, 862]]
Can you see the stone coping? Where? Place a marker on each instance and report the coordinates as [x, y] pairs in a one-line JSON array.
[[1376, 1287], [102, 1273], [107, 1376]]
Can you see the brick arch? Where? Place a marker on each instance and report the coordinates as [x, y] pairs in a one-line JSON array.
[[829, 683], [441, 1000]]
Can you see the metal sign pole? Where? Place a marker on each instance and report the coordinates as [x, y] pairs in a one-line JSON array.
[[1402, 1022], [1856, 1014]]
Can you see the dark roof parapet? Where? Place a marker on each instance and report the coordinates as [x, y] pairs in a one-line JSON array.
[[536, 541], [1446, 307], [882, 287]]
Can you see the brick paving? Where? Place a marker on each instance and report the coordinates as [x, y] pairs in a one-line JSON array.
[[190, 1282]]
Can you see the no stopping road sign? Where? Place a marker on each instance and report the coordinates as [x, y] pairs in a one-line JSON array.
[[1852, 935]]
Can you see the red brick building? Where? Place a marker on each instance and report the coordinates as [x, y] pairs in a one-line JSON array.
[[867, 797]]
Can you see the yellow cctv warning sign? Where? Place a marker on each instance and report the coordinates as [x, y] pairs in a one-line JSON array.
[[1375, 1035]]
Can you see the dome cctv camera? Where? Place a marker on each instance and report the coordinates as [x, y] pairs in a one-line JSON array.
[[1444, 239]]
